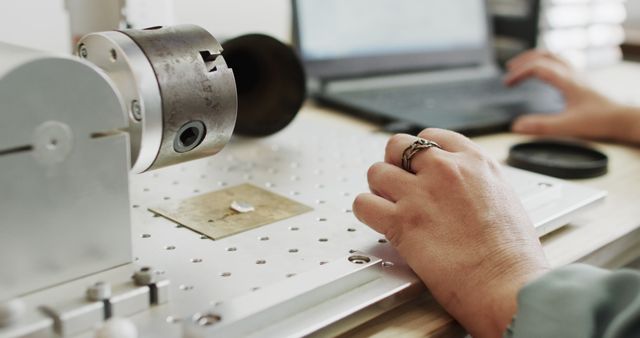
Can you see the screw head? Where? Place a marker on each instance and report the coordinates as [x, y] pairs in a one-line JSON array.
[[144, 276], [11, 311], [136, 110], [82, 51], [99, 292], [117, 327]]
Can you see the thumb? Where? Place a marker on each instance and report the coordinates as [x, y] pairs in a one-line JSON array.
[[544, 124]]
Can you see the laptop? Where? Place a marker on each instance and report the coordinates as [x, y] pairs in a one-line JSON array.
[[412, 64]]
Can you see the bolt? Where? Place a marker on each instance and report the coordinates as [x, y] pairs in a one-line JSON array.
[[11, 311], [136, 110], [82, 51], [144, 276], [99, 292], [117, 327]]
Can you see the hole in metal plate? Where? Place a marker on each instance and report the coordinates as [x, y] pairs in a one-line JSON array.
[[173, 320], [387, 264], [184, 287], [359, 259], [206, 319]]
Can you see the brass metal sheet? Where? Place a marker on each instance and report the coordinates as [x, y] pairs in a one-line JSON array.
[[211, 214]]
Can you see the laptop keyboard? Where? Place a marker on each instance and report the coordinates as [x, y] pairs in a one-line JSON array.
[[440, 96]]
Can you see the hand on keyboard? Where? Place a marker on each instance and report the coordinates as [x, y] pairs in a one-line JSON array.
[[588, 114], [458, 224]]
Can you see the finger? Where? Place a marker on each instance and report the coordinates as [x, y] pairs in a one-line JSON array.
[[396, 146], [544, 70], [448, 140], [545, 124], [534, 55], [374, 211], [451, 141], [389, 181], [427, 159], [525, 57]]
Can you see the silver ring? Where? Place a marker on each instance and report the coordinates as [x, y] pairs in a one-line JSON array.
[[416, 147]]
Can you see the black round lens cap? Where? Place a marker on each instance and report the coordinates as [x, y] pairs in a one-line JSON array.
[[562, 159]]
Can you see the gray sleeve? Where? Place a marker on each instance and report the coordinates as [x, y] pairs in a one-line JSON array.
[[579, 301]]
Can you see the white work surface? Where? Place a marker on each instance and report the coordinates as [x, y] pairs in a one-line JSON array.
[[321, 161]]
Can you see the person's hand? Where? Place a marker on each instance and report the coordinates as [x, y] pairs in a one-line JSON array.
[[588, 114], [458, 224]]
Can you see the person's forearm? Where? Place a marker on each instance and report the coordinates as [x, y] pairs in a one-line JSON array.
[[626, 125]]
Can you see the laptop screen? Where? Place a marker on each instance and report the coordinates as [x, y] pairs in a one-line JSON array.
[[356, 30]]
